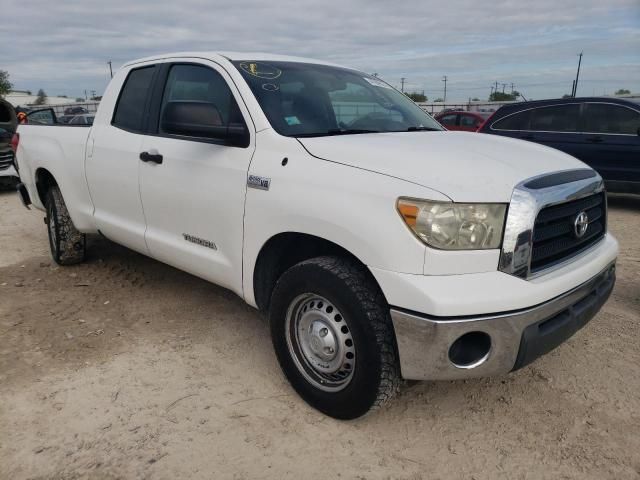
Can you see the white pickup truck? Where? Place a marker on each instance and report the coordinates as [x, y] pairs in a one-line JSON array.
[[381, 247]]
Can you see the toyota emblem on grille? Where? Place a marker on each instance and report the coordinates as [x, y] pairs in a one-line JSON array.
[[580, 224]]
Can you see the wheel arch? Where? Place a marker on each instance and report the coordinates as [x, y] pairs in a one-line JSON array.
[[44, 181], [285, 249]]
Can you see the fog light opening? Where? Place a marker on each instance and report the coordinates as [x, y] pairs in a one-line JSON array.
[[470, 350]]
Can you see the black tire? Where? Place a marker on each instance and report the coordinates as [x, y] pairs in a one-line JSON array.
[[375, 377], [68, 245]]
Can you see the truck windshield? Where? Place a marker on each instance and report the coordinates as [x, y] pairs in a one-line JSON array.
[[310, 100]]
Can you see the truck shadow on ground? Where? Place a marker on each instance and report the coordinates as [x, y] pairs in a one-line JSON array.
[[118, 300], [68, 317]]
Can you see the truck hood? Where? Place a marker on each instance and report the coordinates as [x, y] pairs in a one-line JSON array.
[[466, 167]]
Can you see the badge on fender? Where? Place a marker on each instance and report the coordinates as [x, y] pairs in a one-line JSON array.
[[256, 181]]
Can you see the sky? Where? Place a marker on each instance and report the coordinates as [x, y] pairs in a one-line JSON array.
[[63, 46]]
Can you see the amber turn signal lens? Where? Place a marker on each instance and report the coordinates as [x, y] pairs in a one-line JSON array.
[[409, 213]]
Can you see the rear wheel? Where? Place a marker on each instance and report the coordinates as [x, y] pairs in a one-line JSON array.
[[333, 337], [68, 245]]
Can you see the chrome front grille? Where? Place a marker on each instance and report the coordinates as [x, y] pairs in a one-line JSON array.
[[6, 160], [554, 233], [540, 230]]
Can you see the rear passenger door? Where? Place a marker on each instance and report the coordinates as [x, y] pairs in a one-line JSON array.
[[612, 141], [192, 181], [111, 162]]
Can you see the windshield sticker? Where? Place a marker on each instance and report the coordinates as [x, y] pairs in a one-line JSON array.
[[261, 70], [293, 120], [377, 83], [270, 87]]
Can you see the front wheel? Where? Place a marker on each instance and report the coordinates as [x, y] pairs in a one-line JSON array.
[[333, 337], [68, 245]]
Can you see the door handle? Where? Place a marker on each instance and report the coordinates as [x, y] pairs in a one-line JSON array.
[[594, 139], [151, 156]]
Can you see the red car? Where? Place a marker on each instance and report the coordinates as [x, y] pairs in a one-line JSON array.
[[460, 120]]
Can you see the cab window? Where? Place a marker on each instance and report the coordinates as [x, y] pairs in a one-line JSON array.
[[130, 109], [198, 103]]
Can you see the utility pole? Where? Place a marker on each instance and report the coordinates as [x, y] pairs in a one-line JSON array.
[[85, 95], [503, 85], [110, 69], [444, 79], [402, 83], [93, 93], [575, 87], [495, 90], [512, 85]]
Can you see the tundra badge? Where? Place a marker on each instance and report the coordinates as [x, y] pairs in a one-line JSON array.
[[200, 241]]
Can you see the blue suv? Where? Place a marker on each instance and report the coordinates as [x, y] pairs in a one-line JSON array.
[[602, 132]]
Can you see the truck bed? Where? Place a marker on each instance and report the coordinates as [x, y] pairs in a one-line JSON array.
[[61, 152]]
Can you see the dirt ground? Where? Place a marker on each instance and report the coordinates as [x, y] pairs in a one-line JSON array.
[[123, 367]]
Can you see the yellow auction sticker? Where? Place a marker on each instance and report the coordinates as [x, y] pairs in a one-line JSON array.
[[261, 70]]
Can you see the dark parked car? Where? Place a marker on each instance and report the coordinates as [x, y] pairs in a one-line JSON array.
[[461, 120], [8, 125], [75, 111], [66, 118], [602, 132]]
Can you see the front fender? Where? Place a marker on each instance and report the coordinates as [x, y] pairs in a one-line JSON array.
[[349, 206]]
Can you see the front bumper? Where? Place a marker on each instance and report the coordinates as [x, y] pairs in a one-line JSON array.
[[427, 344]]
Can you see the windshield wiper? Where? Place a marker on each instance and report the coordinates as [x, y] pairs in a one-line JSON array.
[[423, 129], [337, 131], [349, 131]]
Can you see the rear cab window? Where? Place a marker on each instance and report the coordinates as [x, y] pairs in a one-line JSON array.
[[129, 113]]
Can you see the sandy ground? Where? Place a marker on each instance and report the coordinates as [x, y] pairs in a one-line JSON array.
[[126, 368]]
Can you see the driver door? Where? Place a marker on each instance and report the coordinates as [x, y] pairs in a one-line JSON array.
[[193, 180]]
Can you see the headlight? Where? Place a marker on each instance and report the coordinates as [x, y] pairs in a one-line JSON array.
[[454, 226]]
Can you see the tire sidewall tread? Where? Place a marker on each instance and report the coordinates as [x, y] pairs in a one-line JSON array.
[[376, 376], [69, 246]]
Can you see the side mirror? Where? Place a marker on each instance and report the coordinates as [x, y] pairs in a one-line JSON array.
[[201, 119], [45, 116]]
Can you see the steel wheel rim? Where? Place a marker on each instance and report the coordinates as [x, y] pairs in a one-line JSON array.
[[320, 342]]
